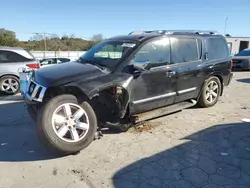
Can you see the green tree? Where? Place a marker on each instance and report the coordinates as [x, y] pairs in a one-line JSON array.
[[55, 43], [7, 38]]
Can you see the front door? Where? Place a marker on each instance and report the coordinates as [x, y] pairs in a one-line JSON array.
[[187, 54], [155, 85]]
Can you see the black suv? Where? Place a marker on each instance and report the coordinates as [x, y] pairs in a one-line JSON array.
[[126, 80]]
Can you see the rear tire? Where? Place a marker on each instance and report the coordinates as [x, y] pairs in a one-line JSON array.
[[10, 85], [52, 137], [210, 92]]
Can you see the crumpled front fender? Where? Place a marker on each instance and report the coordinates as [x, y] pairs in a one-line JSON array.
[[93, 87]]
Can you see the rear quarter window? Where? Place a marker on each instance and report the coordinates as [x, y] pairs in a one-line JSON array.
[[12, 57], [217, 48]]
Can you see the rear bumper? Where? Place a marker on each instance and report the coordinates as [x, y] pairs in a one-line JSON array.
[[229, 79]]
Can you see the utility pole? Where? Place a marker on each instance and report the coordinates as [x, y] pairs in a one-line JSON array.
[[45, 45], [45, 42], [225, 29]]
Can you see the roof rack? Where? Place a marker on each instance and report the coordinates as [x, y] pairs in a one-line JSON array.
[[147, 32], [198, 32]]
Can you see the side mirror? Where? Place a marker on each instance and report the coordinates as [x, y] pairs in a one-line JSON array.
[[140, 65]]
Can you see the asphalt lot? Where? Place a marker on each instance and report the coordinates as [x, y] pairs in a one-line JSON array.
[[207, 148]]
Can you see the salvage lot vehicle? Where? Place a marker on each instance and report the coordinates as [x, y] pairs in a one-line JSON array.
[[125, 80], [241, 61], [11, 59]]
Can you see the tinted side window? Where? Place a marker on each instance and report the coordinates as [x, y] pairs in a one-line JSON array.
[[48, 62], [185, 50], [11, 57], [217, 48], [3, 57], [62, 60], [153, 54]]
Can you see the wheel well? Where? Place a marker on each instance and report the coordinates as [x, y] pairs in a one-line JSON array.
[[55, 91], [9, 75], [221, 81], [111, 103]]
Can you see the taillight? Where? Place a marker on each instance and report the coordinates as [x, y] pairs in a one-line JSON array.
[[33, 65], [231, 65]]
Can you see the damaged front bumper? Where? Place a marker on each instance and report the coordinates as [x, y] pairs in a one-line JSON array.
[[34, 93]]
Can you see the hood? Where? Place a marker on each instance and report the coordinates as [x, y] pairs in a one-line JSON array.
[[65, 73]]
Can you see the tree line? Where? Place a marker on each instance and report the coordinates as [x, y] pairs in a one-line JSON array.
[[52, 42]]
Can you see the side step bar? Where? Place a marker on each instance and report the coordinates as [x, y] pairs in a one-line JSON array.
[[163, 111]]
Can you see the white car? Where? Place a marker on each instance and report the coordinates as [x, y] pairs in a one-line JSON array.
[[53, 61]]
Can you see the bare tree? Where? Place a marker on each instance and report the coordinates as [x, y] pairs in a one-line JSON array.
[[37, 37], [97, 37], [54, 36]]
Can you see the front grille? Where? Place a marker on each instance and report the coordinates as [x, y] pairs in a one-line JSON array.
[[31, 88], [36, 92]]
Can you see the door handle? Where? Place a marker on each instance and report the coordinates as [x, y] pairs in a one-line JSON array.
[[170, 73]]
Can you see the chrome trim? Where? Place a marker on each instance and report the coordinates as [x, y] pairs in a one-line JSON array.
[[40, 99], [125, 84], [186, 90], [34, 92], [154, 98], [32, 97]]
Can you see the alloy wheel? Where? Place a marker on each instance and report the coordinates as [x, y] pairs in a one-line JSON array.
[[70, 122], [212, 91], [10, 85]]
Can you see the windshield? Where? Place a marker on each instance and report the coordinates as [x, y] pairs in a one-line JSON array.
[[107, 53], [243, 53]]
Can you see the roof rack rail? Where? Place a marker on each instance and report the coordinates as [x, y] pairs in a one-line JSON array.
[[198, 32], [145, 32]]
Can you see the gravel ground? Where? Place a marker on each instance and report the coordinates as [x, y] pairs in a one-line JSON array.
[[207, 148]]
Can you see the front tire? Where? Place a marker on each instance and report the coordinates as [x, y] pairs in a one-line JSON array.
[[210, 92], [65, 126]]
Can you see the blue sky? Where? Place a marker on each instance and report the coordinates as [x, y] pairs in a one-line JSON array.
[[114, 17]]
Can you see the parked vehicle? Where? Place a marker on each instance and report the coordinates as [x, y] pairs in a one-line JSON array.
[[241, 61], [11, 59], [53, 61], [126, 80]]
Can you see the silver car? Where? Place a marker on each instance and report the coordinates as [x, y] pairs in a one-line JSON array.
[[241, 61], [11, 59]]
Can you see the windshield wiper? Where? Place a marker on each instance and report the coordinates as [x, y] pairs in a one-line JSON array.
[[92, 63]]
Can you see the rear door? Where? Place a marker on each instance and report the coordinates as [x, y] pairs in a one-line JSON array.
[[186, 53]]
